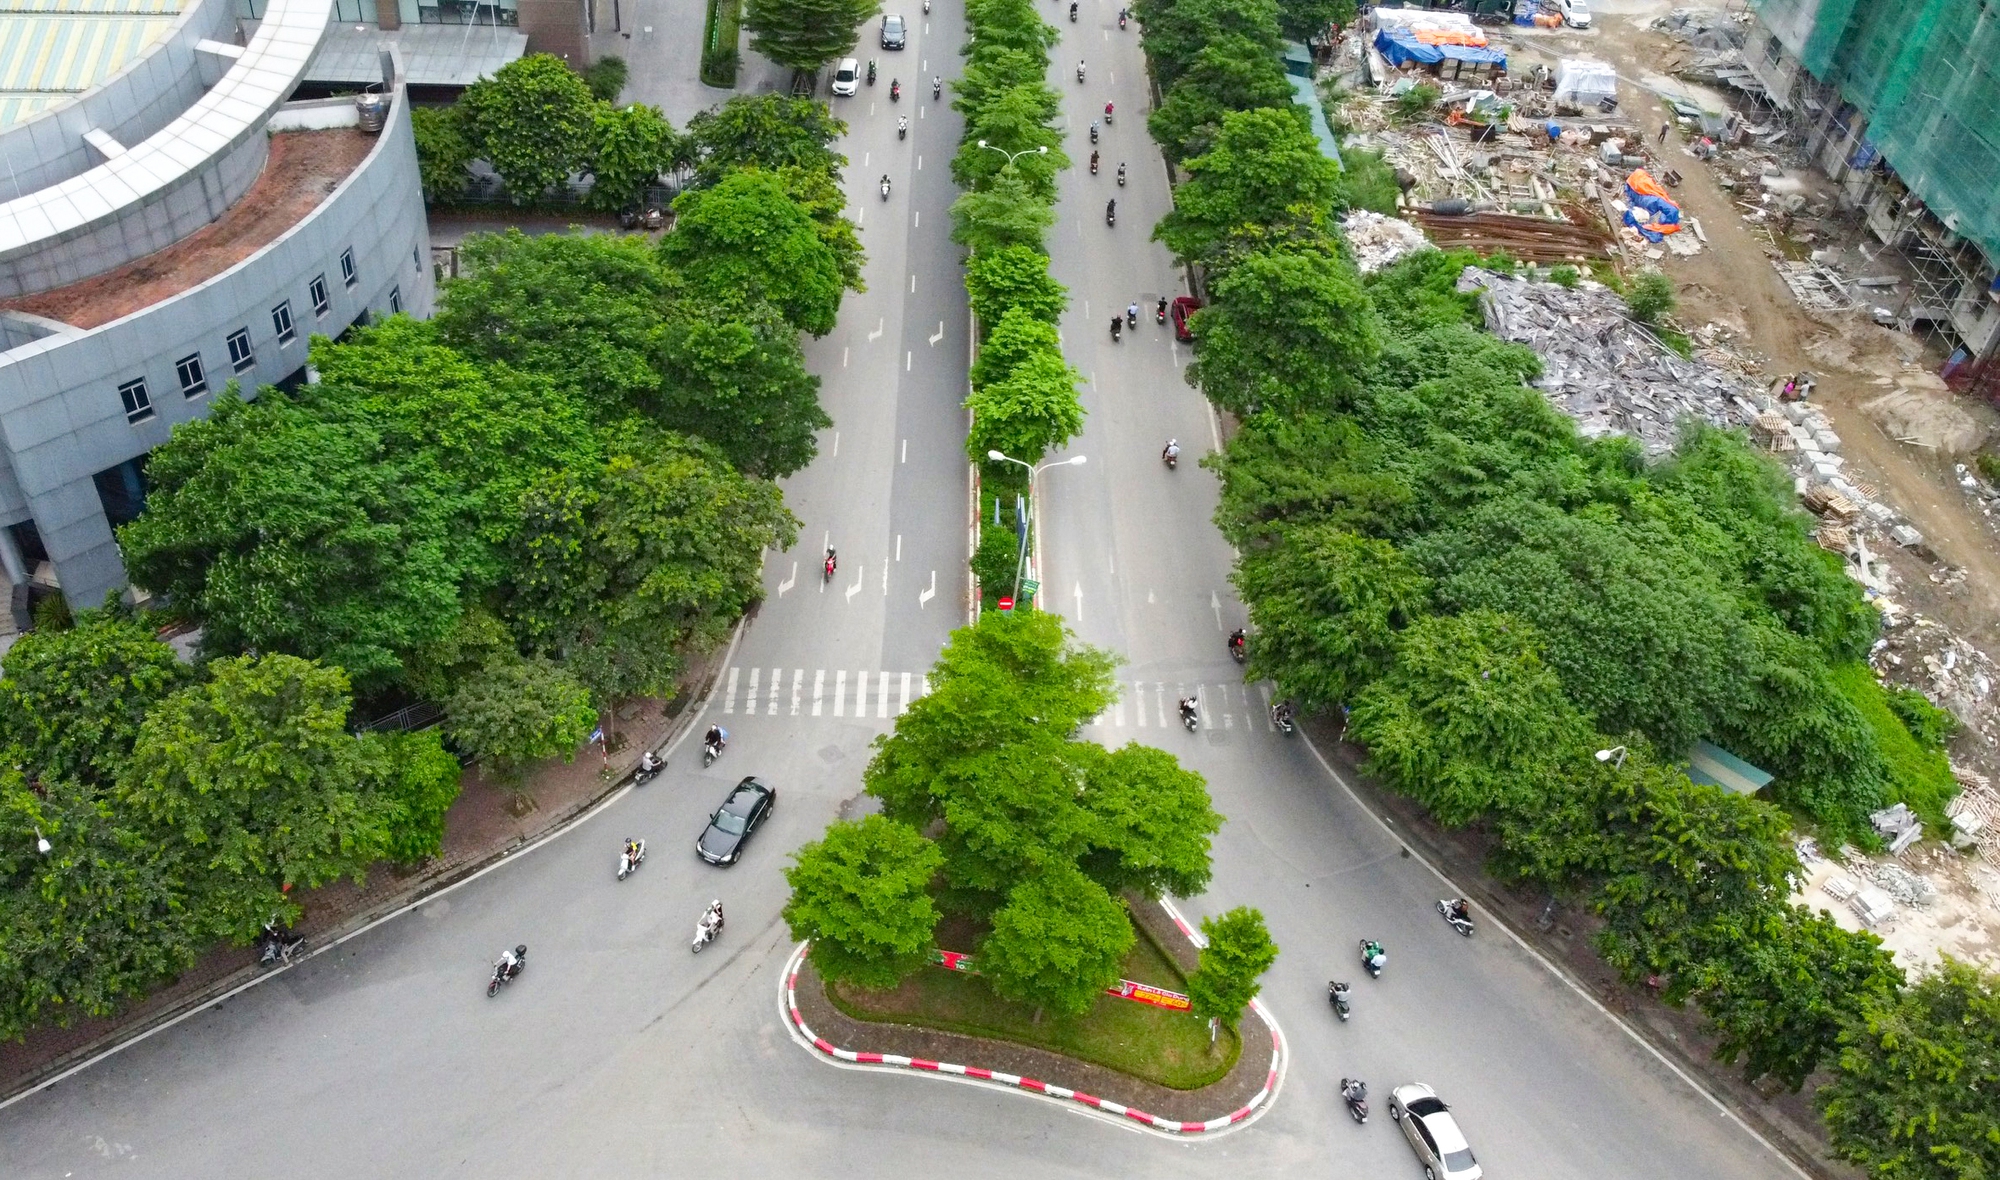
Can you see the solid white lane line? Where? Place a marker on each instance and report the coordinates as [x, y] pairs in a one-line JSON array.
[[906, 452], [899, 546]]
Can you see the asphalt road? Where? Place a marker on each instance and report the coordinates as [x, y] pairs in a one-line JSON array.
[[619, 1053]]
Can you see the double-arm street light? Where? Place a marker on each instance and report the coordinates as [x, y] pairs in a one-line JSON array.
[[1033, 471], [1011, 157]]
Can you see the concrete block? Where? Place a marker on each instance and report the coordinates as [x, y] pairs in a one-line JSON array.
[[1906, 536]]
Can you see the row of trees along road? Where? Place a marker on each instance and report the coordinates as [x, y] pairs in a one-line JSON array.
[[525, 510], [1426, 541], [1023, 400], [993, 811]]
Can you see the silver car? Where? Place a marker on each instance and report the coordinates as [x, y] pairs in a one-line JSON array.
[[1433, 1134], [846, 77]]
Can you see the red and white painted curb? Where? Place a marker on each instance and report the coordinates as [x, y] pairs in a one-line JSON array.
[[1175, 1128]]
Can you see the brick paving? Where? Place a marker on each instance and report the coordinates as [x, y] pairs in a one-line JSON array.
[[480, 827]]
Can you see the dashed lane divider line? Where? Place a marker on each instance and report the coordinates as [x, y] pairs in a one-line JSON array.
[[1173, 1128]]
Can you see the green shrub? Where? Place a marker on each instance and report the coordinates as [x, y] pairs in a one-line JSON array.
[[1930, 725], [606, 78], [1988, 463], [1417, 101], [718, 43], [1918, 774], [1368, 181], [1650, 296], [1564, 276]]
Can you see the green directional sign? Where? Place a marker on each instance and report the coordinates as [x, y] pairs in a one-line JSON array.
[[1028, 587]]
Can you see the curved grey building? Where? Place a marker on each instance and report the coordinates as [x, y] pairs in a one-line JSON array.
[[174, 227]]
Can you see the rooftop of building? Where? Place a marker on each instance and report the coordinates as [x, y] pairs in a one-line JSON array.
[[303, 170], [53, 50], [433, 55]]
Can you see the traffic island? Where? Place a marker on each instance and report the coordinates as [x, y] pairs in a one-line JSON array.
[[1125, 1059]]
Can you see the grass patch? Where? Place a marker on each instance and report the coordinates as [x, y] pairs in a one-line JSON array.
[[1678, 341], [1918, 775], [1167, 1048], [1368, 181], [718, 43]]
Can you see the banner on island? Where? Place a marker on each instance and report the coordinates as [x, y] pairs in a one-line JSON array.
[[1124, 989]]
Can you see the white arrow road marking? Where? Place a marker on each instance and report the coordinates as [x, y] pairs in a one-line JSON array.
[[929, 594], [1215, 604], [879, 324], [939, 334], [790, 582], [1079, 602], [856, 588]]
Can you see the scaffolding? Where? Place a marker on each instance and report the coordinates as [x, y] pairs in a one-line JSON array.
[[1925, 74]]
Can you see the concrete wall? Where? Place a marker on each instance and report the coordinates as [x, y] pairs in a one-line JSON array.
[[132, 104], [61, 418]]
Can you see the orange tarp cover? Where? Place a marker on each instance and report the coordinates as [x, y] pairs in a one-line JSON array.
[[1641, 181]]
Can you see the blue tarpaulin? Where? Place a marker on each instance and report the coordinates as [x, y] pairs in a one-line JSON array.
[[1400, 46]]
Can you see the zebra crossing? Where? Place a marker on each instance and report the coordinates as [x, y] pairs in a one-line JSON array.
[[867, 693], [764, 691], [1148, 703]]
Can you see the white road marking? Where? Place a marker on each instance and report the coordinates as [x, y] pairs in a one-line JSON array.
[[881, 694], [750, 698], [929, 594], [939, 334], [840, 693], [1139, 703], [798, 682], [819, 686], [836, 446], [1215, 604], [729, 701], [916, 219], [903, 700], [899, 546], [771, 708], [879, 325], [906, 452], [856, 588], [1160, 695], [843, 357], [920, 163], [913, 284], [909, 358], [1264, 690], [885, 579], [1079, 602], [861, 693], [790, 582]]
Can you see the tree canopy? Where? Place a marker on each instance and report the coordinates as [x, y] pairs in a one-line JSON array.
[[861, 894], [72, 701], [532, 120], [805, 34], [746, 234], [1264, 168]]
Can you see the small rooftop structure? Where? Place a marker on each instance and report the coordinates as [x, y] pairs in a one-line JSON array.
[[432, 55], [53, 50], [1711, 764]]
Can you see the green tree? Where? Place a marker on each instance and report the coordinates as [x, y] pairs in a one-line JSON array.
[[1057, 943], [1327, 606], [805, 34], [747, 234], [1013, 122], [443, 151], [517, 711], [1301, 20], [1465, 712], [1231, 73], [1013, 276], [1032, 411], [631, 146], [1290, 330], [1176, 30], [532, 120], [737, 377], [860, 893], [423, 781], [1150, 821], [1650, 296], [255, 772], [1006, 213], [1239, 950], [768, 131], [819, 194], [105, 914], [606, 78], [1016, 339], [1914, 1095], [71, 702], [1780, 993], [280, 531], [1265, 168], [586, 310]]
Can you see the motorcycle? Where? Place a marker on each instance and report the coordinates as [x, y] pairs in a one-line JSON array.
[[1160, 312], [1336, 995], [1462, 925], [903, 127], [706, 930], [937, 89], [895, 90], [1079, 71], [1072, 16], [277, 946], [1107, 114], [1373, 957], [630, 857], [1171, 457], [1131, 315], [1238, 647], [871, 71], [1093, 163], [1121, 18], [1121, 176], [1111, 213], [927, 7], [885, 188], [1117, 327], [1190, 716], [1093, 131], [1281, 716], [646, 774], [830, 560], [506, 969], [1354, 1092], [710, 751]]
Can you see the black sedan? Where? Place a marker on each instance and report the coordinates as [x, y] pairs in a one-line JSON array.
[[750, 804]]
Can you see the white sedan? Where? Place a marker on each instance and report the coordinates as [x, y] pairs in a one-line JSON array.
[[1433, 1134]]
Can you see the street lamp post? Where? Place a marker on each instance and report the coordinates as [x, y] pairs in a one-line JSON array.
[[1617, 752], [1013, 156], [1033, 471]]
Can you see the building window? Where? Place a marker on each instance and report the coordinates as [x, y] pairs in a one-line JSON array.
[[347, 274], [240, 356], [138, 405], [317, 289], [395, 301], [281, 319], [468, 12], [194, 380]]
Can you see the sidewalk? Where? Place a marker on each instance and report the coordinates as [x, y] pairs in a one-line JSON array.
[[480, 827], [1563, 934]]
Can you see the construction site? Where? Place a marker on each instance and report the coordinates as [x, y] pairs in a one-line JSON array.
[[1814, 177]]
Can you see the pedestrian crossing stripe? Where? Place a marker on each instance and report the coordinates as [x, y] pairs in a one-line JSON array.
[[766, 691], [865, 693]]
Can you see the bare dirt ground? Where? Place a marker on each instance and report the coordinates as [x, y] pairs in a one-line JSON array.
[[1732, 283]]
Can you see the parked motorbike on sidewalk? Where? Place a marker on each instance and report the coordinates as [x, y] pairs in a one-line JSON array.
[[631, 857], [276, 945]]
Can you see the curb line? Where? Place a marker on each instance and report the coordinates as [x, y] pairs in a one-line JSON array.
[[1114, 1112], [234, 984]]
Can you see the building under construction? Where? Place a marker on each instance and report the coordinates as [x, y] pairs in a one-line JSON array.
[[1900, 103]]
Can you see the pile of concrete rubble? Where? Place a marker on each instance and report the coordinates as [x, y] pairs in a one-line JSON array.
[[1379, 241], [1603, 369]]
